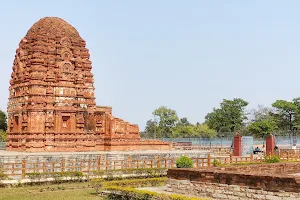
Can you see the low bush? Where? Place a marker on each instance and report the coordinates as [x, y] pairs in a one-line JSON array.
[[107, 175], [135, 194], [145, 182], [99, 184], [184, 162], [34, 176], [272, 159], [117, 174], [216, 163], [57, 176], [3, 176]]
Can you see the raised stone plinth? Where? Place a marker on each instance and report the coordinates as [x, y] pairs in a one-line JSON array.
[[262, 181]]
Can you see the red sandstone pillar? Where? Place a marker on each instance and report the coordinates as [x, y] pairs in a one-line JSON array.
[[237, 145], [270, 144]]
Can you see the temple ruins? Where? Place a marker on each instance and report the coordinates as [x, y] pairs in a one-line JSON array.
[[52, 104]]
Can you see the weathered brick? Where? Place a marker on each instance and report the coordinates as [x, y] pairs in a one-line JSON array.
[[52, 104]]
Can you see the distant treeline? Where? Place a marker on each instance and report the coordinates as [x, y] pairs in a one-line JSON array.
[[281, 119]]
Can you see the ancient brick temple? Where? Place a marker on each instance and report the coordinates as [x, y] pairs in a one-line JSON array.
[[52, 105]]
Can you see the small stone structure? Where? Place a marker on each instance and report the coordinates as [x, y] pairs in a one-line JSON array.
[[264, 181], [270, 145], [52, 104], [242, 145], [237, 144]]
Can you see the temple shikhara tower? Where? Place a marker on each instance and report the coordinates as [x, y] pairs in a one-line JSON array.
[[52, 104]]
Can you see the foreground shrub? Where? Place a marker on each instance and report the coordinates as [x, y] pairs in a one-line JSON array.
[[135, 194], [99, 184], [272, 159], [58, 176], [184, 162], [3, 176], [216, 163], [117, 174], [107, 175]]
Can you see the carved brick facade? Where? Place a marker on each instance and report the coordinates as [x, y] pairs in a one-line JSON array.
[[52, 105]]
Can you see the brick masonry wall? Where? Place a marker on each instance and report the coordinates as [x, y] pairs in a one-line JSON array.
[[265, 181], [225, 191]]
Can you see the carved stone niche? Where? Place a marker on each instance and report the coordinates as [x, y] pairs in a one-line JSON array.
[[66, 122], [49, 122], [51, 62], [65, 42], [80, 121], [79, 77], [99, 119], [51, 49], [80, 92], [66, 54], [67, 67], [11, 124], [16, 122], [50, 76], [49, 90], [24, 122]]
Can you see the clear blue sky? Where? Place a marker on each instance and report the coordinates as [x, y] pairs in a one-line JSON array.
[[187, 55]]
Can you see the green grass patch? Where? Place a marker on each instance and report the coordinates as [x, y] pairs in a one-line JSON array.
[[65, 191]]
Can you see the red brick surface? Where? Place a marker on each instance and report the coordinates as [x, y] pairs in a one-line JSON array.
[[237, 151], [52, 104], [270, 145], [269, 177]]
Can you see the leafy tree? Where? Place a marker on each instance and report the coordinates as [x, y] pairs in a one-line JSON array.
[[261, 113], [3, 121], [203, 130], [183, 131], [150, 126], [229, 117], [2, 135], [167, 119], [286, 114], [262, 128], [184, 121]]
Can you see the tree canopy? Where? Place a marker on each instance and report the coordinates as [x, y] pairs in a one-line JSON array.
[[287, 114], [166, 120], [167, 124], [262, 123], [262, 128], [229, 117], [3, 121], [3, 125]]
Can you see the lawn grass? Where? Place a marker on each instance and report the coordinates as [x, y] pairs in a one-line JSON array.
[[66, 191]]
